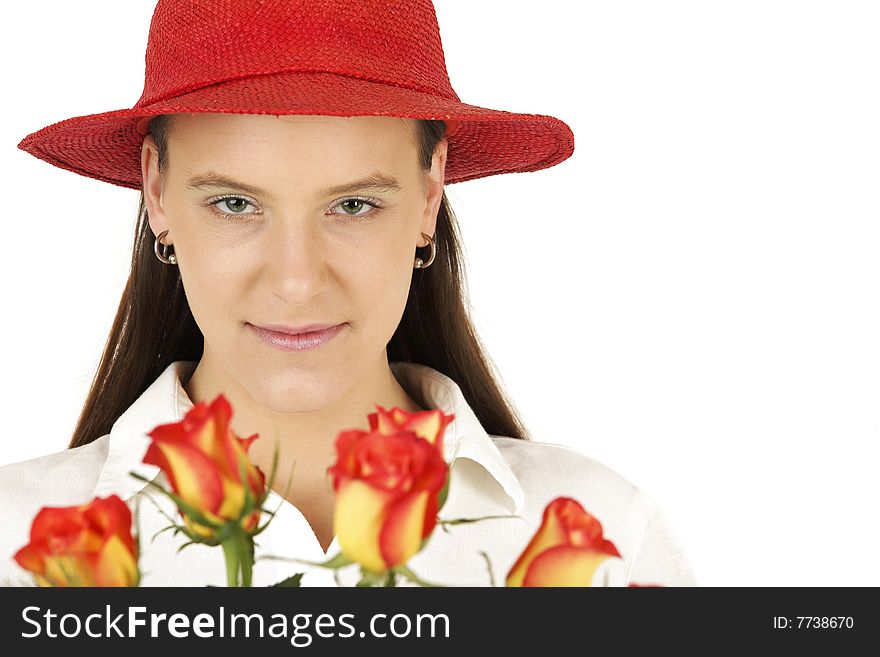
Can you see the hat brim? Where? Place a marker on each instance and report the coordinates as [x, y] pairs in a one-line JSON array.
[[484, 141]]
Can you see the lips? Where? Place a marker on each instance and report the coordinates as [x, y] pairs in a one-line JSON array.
[[294, 330], [306, 339]]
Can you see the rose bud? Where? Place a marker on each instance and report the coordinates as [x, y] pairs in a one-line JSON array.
[[566, 550], [429, 424], [202, 458], [86, 545], [386, 495]]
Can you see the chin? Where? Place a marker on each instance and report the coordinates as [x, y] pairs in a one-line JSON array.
[[297, 391]]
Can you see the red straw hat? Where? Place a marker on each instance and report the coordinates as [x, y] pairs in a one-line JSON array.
[[327, 57]]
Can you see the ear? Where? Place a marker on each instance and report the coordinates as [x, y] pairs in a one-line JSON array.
[[434, 182], [152, 186]]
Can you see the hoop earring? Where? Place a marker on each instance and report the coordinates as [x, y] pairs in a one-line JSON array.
[[418, 263], [163, 256]]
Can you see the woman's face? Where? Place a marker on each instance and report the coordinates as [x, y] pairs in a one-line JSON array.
[[276, 245]]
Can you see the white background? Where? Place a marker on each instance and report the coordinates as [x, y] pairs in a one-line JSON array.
[[691, 298]]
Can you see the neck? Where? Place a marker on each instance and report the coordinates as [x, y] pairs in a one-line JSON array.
[[306, 438]]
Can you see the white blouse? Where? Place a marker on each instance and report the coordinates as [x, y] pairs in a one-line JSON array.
[[490, 475]]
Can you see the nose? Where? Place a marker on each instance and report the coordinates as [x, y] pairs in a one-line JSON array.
[[295, 260]]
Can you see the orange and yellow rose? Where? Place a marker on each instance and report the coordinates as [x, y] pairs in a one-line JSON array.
[[387, 483], [430, 424], [203, 459], [566, 550], [86, 545]]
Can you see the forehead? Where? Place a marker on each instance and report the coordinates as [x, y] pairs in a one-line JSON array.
[[274, 156], [292, 128], [320, 145]]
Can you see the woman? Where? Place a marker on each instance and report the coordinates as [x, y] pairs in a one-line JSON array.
[[309, 273]]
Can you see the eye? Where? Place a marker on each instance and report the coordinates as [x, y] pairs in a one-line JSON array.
[[352, 205], [232, 202]]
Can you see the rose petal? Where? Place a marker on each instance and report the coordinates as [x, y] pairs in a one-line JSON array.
[[564, 565], [66, 542], [111, 517], [549, 534], [115, 564], [401, 533], [30, 558], [67, 570], [430, 425], [346, 461], [233, 500], [192, 474], [358, 520], [64, 524]]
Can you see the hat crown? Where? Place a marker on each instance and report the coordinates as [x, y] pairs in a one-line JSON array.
[[196, 43]]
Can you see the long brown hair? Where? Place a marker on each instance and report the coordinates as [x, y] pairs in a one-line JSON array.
[[154, 326]]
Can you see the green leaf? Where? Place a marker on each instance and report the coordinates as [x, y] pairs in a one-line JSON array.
[[274, 470], [339, 561], [462, 521], [410, 575], [293, 580], [489, 568], [262, 528], [289, 478]]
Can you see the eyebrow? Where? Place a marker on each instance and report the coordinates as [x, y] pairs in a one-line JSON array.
[[377, 181]]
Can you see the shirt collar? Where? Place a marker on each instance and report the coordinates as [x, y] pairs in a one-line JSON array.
[[166, 400]]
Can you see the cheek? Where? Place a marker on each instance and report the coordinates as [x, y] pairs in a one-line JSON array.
[[380, 286], [213, 287]]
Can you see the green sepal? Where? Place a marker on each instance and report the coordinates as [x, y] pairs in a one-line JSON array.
[[190, 511], [444, 492]]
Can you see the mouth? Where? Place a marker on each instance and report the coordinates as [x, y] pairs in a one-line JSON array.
[[295, 330], [301, 338]]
